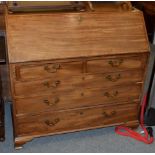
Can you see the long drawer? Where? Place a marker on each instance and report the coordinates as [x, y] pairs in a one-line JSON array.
[[78, 99], [74, 120], [56, 69], [103, 80]]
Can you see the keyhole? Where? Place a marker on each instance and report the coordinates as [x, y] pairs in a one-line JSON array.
[[81, 113], [82, 94]]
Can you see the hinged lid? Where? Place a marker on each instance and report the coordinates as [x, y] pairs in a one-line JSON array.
[[34, 37]]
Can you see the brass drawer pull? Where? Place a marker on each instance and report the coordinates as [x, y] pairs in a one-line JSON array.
[[55, 101], [53, 85], [52, 123], [115, 63], [109, 115], [52, 69], [113, 79], [114, 94]]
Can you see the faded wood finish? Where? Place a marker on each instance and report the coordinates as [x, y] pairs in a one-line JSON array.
[[64, 121], [63, 69], [75, 71], [2, 16], [77, 98], [76, 83], [70, 35]]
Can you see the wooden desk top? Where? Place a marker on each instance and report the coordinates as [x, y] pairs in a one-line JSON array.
[[35, 37]]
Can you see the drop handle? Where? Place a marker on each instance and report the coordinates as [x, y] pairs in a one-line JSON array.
[[111, 95], [113, 78], [53, 84], [52, 123], [53, 102], [115, 63], [109, 114], [52, 69]]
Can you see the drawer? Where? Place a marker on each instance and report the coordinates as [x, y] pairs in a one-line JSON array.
[[41, 71], [103, 80], [74, 120], [77, 99], [115, 64]]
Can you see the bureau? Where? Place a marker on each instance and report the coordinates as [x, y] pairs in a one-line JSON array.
[[75, 71]]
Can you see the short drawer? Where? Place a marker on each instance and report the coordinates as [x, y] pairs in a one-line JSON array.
[[41, 71], [115, 64], [103, 80], [74, 120], [77, 99]]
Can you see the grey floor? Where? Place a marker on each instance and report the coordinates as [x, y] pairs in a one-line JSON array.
[[99, 140]]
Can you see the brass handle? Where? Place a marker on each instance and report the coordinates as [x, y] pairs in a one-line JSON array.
[[54, 84], [109, 115], [55, 101], [113, 79], [52, 69], [52, 123], [114, 94], [115, 63]]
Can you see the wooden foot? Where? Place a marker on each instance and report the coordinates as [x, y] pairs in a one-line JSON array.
[[133, 125], [2, 139], [19, 142]]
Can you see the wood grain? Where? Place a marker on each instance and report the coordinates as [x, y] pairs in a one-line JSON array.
[[52, 123], [69, 85], [33, 37], [75, 71], [76, 99], [2, 17], [59, 69]]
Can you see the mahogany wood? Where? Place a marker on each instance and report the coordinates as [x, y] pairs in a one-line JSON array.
[[74, 35], [75, 71], [63, 121]]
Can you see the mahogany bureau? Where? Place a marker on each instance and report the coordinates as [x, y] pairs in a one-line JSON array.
[[75, 71]]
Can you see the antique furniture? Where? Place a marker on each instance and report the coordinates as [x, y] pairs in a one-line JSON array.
[[74, 71]]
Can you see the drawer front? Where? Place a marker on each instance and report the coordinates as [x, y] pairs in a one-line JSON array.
[[78, 99], [77, 82], [28, 72], [64, 69], [64, 121], [114, 64]]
